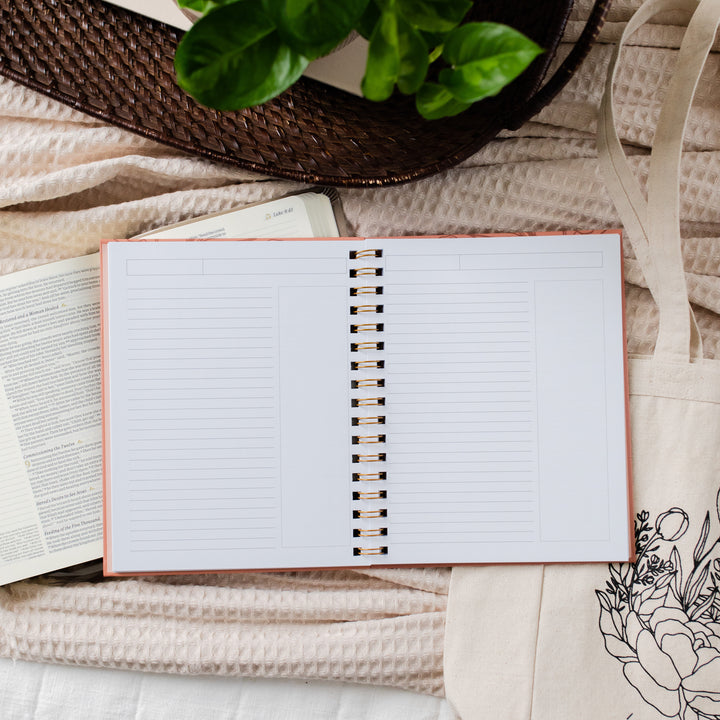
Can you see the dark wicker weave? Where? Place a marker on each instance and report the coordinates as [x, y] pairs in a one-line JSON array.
[[118, 66]]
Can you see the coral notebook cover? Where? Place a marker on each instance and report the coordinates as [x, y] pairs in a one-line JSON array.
[[345, 402]]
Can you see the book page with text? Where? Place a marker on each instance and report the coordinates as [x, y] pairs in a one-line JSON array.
[[50, 443], [303, 215], [226, 405], [504, 386]]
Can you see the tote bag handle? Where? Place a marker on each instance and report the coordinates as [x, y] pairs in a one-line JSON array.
[[653, 226]]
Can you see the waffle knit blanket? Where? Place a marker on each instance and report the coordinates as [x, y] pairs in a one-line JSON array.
[[69, 181]]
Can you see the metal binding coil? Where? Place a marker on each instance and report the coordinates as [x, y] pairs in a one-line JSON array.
[[364, 402], [370, 551], [376, 532], [370, 495], [375, 495], [367, 364], [365, 290], [370, 513], [357, 309], [360, 272], [367, 252], [368, 382], [362, 346], [377, 457], [368, 439], [369, 477], [372, 420], [367, 327]]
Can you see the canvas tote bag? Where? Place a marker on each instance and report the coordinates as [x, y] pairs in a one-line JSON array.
[[639, 640]]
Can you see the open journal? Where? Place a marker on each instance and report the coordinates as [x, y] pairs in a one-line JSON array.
[[50, 419], [341, 402]]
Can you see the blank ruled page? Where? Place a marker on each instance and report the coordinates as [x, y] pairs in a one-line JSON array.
[[504, 386], [461, 390], [227, 405]]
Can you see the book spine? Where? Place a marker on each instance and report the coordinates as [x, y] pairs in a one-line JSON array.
[[368, 402]]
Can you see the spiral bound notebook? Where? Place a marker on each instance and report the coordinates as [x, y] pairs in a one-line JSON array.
[[342, 402]]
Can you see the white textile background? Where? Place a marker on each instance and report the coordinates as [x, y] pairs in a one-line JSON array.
[[34, 691]]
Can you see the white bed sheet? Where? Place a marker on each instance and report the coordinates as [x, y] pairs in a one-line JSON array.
[[34, 691]]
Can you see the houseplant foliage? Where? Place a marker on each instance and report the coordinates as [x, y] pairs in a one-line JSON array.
[[242, 53]]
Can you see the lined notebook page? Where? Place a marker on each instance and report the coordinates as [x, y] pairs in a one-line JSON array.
[[227, 402], [504, 386]]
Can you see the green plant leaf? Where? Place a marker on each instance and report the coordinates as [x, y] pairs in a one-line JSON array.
[[383, 62], [485, 57], [433, 102], [434, 40], [436, 16], [203, 6], [314, 27], [414, 60], [369, 19], [435, 53], [397, 53], [233, 58]]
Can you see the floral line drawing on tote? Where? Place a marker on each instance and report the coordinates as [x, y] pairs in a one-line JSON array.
[[660, 617]]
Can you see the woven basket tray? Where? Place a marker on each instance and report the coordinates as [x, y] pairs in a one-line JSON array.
[[118, 66]]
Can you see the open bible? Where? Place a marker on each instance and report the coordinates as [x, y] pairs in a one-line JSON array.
[[50, 405]]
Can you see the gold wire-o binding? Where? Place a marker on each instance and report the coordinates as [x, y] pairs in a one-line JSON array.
[[370, 551], [365, 290], [365, 402], [367, 327], [369, 382], [367, 364], [360, 272], [372, 382], [379, 457], [372, 532], [373, 420], [358, 347], [374, 495], [368, 439], [356, 309], [360, 514], [356, 254], [369, 477]]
